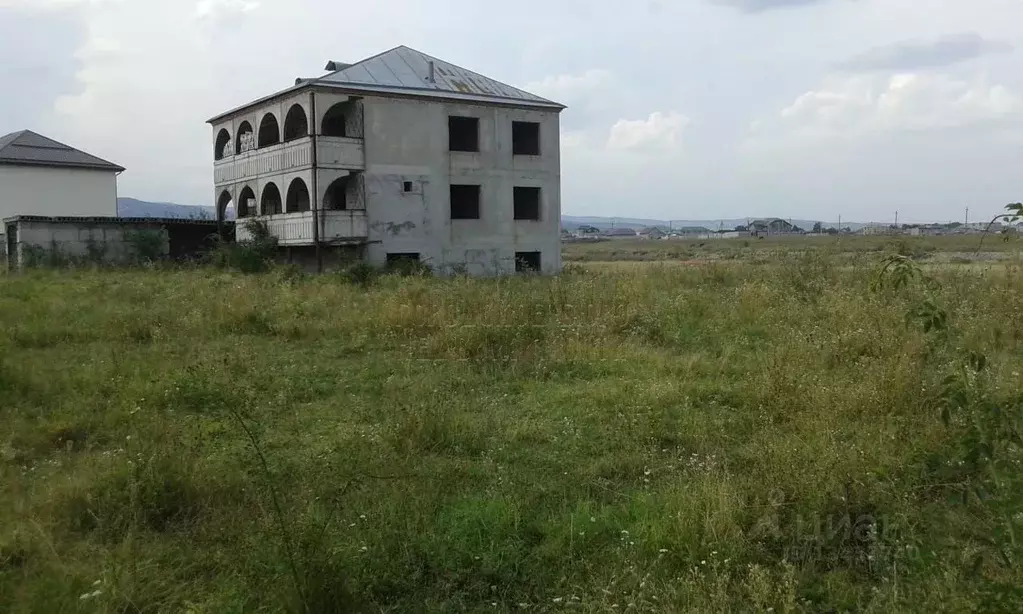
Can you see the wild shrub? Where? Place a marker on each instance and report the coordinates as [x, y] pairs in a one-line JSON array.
[[987, 426], [405, 267], [155, 493], [145, 246], [254, 255], [361, 274]]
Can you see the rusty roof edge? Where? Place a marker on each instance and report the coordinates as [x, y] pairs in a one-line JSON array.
[[97, 166], [357, 87], [435, 93], [291, 90]]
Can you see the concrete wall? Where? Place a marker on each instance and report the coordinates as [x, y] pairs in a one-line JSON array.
[[38, 190], [77, 239], [407, 141]]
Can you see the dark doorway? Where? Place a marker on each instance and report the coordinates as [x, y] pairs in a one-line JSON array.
[[269, 131], [270, 204], [334, 120], [296, 125], [463, 133], [465, 202], [525, 138], [527, 203], [527, 262], [336, 198], [12, 246]]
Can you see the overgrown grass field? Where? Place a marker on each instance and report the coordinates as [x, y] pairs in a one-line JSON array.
[[847, 249], [796, 435]]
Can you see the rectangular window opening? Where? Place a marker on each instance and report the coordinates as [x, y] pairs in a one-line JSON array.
[[407, 186], [465, 202], [525, 138], [396, 257], [527, 203], [527, 262], [463, 133]]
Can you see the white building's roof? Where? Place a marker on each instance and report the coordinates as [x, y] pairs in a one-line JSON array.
[[405, 71], [27, 148]]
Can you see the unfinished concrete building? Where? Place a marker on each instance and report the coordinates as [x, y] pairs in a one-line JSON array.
[[399, 156]]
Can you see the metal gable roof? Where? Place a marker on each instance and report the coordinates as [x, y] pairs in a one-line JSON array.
[[28, 148], [405, 70]]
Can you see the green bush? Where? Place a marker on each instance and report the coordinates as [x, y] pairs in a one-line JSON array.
[[407, 267], [360, 274], [254, 255], [146, 245]]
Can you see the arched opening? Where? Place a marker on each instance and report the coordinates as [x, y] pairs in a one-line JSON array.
[[336, 196], [246, 203], [223, 146], [334, 120], [223, 202], [269, 131], [296, 125], [271, 202], [298, 196], [244, 142]]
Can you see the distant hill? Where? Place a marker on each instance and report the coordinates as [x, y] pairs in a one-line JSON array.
[[571, 222], [133, 207]]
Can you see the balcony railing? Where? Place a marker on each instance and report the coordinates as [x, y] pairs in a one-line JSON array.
[[340, 152], [332, 152], [293, 229]]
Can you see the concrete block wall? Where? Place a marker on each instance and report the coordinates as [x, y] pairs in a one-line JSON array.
[[77, 240], [407, 141]]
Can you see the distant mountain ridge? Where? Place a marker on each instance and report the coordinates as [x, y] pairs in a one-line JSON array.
[[133, 207], [571, 222]]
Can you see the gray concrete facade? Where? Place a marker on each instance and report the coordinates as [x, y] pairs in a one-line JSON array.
[[389, 164], [407, 141]]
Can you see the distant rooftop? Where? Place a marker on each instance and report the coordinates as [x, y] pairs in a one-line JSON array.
[[31, 149], [408, 72]]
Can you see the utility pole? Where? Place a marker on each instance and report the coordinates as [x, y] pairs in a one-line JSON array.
[[839, 223], [967, 217]]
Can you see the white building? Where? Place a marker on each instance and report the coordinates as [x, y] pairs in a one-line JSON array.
[[39, 176], [401, 155]]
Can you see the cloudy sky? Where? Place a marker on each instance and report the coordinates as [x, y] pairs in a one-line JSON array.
[[677, 108]]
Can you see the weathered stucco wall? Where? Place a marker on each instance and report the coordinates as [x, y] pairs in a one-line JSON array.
[[87, 240], [37, 190], [407, 141]]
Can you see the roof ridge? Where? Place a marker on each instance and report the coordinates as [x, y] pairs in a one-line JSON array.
[[31, 148], [363, 61], [8, 139], [477, 73], [498, 90]]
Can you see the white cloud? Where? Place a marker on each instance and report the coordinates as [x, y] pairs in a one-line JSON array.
[[133, 81], [659, 131], [50, 4], [864, 105], [221, 9], [574, 89]]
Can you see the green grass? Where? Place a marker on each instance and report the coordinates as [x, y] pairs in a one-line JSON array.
[[838, 248], [724, 438]]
